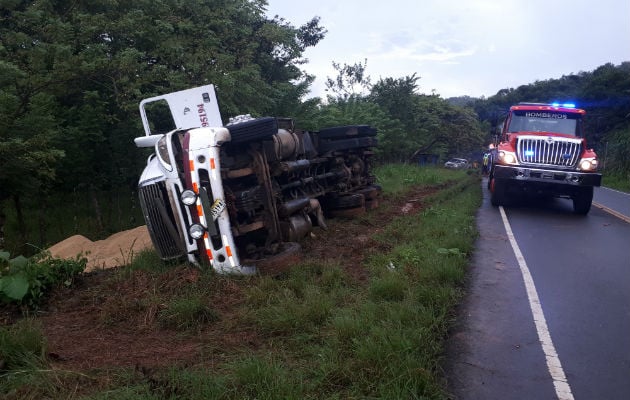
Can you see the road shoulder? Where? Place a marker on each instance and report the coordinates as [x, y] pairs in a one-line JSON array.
[[493, 351]]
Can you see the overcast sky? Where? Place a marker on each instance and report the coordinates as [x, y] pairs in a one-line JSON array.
[[473, 48]]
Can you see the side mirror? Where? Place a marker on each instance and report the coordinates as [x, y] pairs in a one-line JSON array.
[[147, 141]]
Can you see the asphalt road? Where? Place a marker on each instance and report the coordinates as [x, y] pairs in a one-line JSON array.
[[580, 273]]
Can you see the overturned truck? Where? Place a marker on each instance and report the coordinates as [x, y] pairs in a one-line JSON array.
[[240, 197]]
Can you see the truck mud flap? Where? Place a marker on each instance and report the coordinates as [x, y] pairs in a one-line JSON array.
[[254, 130]]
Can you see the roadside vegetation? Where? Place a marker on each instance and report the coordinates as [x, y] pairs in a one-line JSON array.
[[616, 180], [320, 331]]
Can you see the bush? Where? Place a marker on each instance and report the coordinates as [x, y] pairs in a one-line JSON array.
[[27, 280]]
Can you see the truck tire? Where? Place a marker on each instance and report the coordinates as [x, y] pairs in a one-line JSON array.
[[255, 129], [582, 200], [497, 192]]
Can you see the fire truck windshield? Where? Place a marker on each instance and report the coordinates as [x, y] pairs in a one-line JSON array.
[[544, 121]]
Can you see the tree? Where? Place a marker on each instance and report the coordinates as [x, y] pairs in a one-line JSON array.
[[351, 80], [32, 66], [431, 124]]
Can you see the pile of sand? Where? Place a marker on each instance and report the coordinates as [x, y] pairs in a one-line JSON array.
[[117, 250]]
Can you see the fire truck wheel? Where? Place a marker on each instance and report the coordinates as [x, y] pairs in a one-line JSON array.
[[582, 200], [290, 254], [497, 190]]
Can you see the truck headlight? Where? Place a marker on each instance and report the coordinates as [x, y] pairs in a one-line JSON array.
[[196, 231], [507, 157], [588, 164], [161, 149], [188, 197]]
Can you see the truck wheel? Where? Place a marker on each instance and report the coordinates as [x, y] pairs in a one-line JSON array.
[[497, 190], [255, 129], [582, 200]]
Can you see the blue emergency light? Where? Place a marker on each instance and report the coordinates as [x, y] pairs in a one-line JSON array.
[[565, 105]]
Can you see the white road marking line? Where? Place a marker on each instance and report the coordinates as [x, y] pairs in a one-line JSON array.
[[615, 190], [563, 390]]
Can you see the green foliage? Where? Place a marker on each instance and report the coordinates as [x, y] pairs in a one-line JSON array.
[[187, 312], [390, 287], [27, 281], [397, 178], [408, 123], [258, 377], [615, 152], [301, 303], [617, 180], [351, 81], [22, 345]]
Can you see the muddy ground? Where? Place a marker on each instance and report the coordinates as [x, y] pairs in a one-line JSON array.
[[108, 319]]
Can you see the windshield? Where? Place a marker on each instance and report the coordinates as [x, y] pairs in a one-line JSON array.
[[544, 121]]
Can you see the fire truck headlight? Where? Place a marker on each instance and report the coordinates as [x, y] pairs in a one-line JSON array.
[[588, 164], [188, 197], [507, 157], [196, 231]]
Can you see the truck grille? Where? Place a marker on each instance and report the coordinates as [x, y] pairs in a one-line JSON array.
[[550, 151], [153, 200]]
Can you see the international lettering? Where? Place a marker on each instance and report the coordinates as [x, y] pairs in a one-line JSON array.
[[545, 115]]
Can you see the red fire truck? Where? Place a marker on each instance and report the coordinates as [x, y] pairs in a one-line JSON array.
[[542, 151]]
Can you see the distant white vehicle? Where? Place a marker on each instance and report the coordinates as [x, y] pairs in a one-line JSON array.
[[457, 163]]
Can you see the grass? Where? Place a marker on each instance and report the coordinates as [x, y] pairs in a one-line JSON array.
[[186, 313], [322, 334], [616, 180]]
